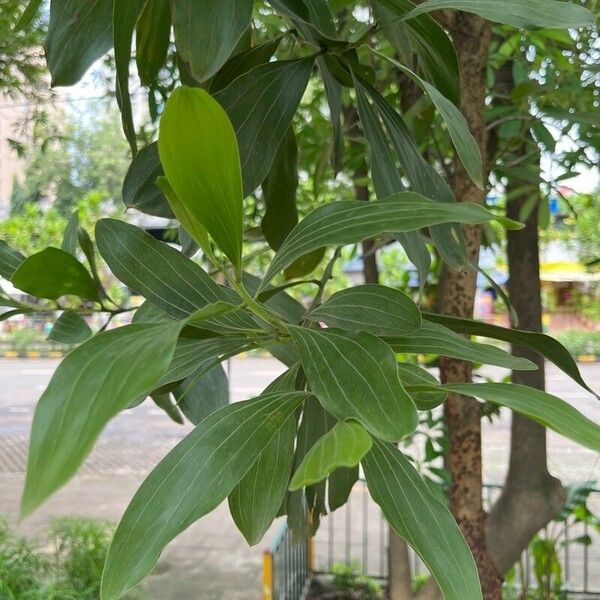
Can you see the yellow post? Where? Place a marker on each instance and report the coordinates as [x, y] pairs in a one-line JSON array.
[[310, 553], [267, 576]]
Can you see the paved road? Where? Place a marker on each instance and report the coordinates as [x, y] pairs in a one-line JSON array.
[[212, 556]]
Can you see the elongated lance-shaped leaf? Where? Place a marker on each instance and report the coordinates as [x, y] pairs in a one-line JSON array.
[[125, 15], [378, 309], [69, 241], [53, 273], [423, 178], [199, 154], [457, 125], [434, 49], [164, 276], [414, 375], [354, 376], [152, 33], [545, 345], [344, 446], [206, 35], [10, 260], [193, 479], [550, 411], [91, 385], [352, 221], [530, 14], [432, 338], [193, 354], [256, 500], [28, 15], [79, 33], [70, 328], [387, 180], [261, 105], [422, 520]]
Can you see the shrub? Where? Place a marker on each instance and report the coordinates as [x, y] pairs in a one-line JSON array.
[[580, 342]]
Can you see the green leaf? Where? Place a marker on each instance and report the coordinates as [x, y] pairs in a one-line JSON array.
[[170, 280], [344, 446], [351, 221], [199, 154], [423, 177], [458, 128], [339, 486], [125, 15], [414, 375], [79, 33], [334, 92], [165, 402], [530, 14], [192, 480], [70, 328], [387, 180], [435, 51], [279, 192], [91, 385], [261, 119], [255, 501], [28, 15], [422, 520], [69, 242], [139, 187], [377, 309], [153, 30], [87, 246], [53, 273], [199, 356], [355, 376], [550, 411], [433, 338], [241, 63], [10, 260], [202, 393], [206, 38], [545, 345]]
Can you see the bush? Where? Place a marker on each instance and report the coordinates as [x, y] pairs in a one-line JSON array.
[[580, 342], [72, 571]]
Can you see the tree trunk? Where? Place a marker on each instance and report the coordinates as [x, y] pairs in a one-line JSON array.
[[471, 35], [531, 496]]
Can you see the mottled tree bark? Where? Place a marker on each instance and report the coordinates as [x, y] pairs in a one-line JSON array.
[[471, 35]]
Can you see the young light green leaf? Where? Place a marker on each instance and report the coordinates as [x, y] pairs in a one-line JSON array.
[[53, 273], [199, 153], [344, 446], [202, 393], [257, 498], [261, 105], [164, 276], [210, 311], [206, 38], [377, 309], [530, 14], [193, 479], [422, 520], [457, 125], [351, 221], [70, 328], [91, 385], [355, 376], [79, 33], [433, 338], [545, 345], [69, 241], [550, 411], [10, 260]]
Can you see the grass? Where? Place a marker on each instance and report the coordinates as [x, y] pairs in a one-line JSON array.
[[69, 568]]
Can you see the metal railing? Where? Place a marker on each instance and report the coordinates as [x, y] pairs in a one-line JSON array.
[[357, 535], [287, 567]]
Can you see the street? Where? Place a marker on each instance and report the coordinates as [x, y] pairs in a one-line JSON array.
[[212, 555]]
